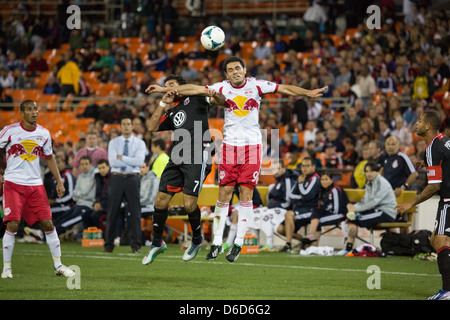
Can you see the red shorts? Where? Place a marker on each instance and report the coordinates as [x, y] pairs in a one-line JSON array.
[[240, 165], [29, 202]]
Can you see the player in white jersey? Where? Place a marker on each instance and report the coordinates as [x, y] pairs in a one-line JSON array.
[[241, 154], [24, 195]]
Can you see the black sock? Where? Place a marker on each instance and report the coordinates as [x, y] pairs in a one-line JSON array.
[[195, 221], [349, 247], [159, 223], [443, 260]]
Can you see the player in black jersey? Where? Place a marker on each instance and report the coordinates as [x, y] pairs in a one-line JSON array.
[[437, 162], [190, 159]]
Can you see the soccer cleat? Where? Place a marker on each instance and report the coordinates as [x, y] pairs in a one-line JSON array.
[[286, 248], [37, 233], [343, 252], [7, 273], [62, 270], [214, 251], [441, 295], [153, 252], [191, 252], [234, 253]]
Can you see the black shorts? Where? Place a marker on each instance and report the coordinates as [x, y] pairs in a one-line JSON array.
[[442, 223], [186, 178], [372, 217], [327, 218]]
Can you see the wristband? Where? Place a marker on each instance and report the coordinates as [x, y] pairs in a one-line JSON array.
[[162, 104]]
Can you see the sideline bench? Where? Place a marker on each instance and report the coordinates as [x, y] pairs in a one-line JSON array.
[[208, 197]]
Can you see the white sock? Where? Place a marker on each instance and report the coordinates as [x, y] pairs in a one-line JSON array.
[[220, 217], [9, 239], [232, 234], [245, 214], [55, 246]]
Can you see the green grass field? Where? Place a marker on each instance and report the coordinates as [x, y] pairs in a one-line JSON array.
[[263, 276]]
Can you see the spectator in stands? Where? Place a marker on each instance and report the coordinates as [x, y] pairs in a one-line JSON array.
[[304, 198], [332, 159], [98, 214], [296, 42], [314, 17], [351, 122], [187, 72], [159, 157], [248, 34], [118, 76], [331, 209], [76, 40], [92, 150], [6, 101], [136, 62], [107, 60], [423, 86], [350, 156], [344, 76], [402, 133], [279, 45], [105, 75], [52, 86], [376, 206], [376, 149], [347, 92], [262, 50], [12, 62], [6, 78], [333, 137], [83, 195], [366, 84], [37, 64], [106, 112], [398, 168], [385, 131], [91, 110], [69, 76], [385, 82], [103, 41], [60, 206], [358, 178]]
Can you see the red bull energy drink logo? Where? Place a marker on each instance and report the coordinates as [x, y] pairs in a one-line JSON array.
[[241, 106], [28, 150]]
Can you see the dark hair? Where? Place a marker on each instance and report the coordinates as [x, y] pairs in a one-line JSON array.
[[373, 165], [159, 142], [327, 173], [313, 162], [179, 79], [24, 103], [86, 158], [103, 161], [232, 59], [434, 118]]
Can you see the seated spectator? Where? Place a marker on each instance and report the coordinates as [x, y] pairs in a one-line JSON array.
[[118, 76], [262, 51], [332, 159], [376, 206], [351, 121], [136, 62], [52, 86], [333, 137], [294, 160], [149, 189], [6, 99], [105, 75], [60, 206], [385, 82], [83, 195], [331, 210], [91, 110], [402, 133], [304, 198], [358, 178], [37, 64], [280, 46], [6, 78], [188, 72], [350, 156], [97, 216]]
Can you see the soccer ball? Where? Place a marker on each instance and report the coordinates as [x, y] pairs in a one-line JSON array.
[[213, 38]]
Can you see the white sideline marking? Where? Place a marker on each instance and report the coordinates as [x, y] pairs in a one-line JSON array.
[[164, 257]]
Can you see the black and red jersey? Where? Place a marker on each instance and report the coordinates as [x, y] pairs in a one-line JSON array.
[[437, 160]]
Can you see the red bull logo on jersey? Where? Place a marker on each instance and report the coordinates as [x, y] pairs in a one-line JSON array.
[[241, 106], [28, 150]]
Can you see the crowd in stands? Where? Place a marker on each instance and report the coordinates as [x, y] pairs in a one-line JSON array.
[[370, 73]]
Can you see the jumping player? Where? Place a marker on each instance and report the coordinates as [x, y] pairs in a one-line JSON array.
[[24, 193], [190, 160], [437, 162], [241, 152]]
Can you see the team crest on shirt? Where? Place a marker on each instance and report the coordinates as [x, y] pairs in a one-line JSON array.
[[395, 164], [447, 144], [27, 150], [221, 175], [241, 106], [186, 101]]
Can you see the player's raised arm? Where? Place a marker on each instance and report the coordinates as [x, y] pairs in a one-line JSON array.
[[292, 90], [164, 104], [185, 89]]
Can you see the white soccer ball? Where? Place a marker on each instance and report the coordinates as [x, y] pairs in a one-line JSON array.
[[213, 38]]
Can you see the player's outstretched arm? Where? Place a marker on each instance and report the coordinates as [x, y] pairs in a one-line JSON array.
[[292, 90], [185, 89]]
